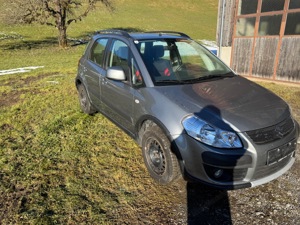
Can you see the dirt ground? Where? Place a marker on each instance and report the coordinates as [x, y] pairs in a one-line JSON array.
[[275, 203]]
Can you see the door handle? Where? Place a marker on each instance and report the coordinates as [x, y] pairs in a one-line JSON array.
[[104, 81]]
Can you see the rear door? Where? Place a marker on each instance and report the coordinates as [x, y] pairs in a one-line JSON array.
[[95, 71]]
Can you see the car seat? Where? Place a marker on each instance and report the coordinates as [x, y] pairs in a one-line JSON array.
[[162, 66]]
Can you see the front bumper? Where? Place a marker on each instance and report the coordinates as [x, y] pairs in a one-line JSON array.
[[237, 168]]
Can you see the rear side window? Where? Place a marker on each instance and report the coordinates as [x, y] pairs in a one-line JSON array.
[[97, 51]]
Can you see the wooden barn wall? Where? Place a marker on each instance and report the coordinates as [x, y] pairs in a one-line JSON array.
[[228, 24], [270, 57], [289, 60], [264, 57], [242, 51]]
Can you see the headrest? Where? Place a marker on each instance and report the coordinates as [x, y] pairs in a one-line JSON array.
[[158, 51], [122, 52]]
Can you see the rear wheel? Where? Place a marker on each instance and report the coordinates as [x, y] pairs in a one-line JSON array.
[[160, 161], [84, 101]]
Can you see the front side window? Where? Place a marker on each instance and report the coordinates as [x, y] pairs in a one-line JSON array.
[[171, 61], [137, 79], [120, 56]]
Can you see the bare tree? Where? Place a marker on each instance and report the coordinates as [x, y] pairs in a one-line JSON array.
[[57, 13]]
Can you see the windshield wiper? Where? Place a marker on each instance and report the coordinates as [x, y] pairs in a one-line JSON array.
[[211, 77], [199, 79], [169, 82], [224, 75]]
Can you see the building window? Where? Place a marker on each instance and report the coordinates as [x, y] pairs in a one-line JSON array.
[[268, 14], [247, 7], [272, 5], [245, 26], [269, 25], [294, 4], [292, 24]]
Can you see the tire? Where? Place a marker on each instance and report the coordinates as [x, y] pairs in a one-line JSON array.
[[85, 103], [161, 162]]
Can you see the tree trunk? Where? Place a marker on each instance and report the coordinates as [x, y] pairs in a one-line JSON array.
[[61, 23], [62, 37]]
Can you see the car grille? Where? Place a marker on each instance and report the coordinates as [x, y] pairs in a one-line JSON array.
[[269, 134]]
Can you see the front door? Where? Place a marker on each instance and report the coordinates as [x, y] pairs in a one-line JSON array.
[[118, 96]]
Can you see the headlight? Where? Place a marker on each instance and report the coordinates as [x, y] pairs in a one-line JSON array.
[[204, 132]]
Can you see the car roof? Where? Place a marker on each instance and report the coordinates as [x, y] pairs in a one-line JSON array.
[[142, 36], [145, 35]]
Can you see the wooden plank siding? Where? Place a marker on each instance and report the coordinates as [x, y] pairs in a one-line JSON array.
[[228, 23], [289, 60], [264, 57], [242, 48]]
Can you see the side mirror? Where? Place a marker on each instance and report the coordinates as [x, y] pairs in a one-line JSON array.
[[116, 73]]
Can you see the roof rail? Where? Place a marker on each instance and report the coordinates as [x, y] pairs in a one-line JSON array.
[[169, 32], [114, 31]]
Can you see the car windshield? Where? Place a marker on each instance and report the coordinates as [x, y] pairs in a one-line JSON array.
[[177, 61]]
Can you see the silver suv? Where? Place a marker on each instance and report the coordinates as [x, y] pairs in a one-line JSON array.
[[188, 111]]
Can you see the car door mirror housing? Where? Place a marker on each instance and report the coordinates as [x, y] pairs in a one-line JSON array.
[[116, 73]]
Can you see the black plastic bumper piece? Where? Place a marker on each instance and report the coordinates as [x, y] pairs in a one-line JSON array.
[[223, 160]]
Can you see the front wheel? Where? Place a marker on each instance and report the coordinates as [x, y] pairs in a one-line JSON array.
[[160, 161]]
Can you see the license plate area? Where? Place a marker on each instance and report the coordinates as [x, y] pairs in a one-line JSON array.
[[278, 154]]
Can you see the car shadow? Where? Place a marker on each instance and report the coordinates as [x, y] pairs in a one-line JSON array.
[[206, 205]]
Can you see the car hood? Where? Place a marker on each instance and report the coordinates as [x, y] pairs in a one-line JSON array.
[[229, 103]]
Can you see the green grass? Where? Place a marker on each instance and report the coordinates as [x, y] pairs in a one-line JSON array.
[[36, 44], [60, 166]]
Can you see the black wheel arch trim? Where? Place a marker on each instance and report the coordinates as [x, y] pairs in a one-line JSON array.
[[144, 118], [174, 147], [78, 82]]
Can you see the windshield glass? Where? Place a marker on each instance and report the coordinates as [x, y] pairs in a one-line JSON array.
[[176, 61]]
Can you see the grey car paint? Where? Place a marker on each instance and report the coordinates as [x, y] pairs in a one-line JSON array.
[[230, 103], [242, 104]]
